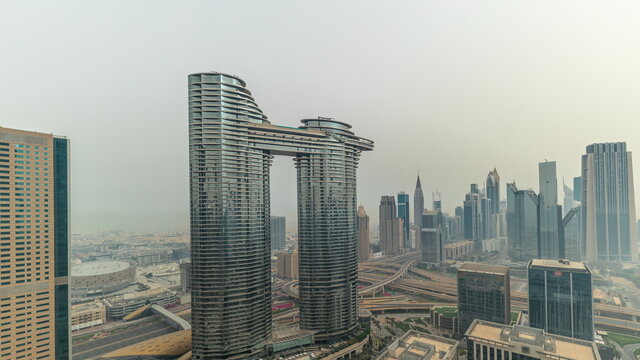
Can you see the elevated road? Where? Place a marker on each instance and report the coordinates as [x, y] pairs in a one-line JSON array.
[[401, 272], [289, 288], [444, 288], [171, 318]]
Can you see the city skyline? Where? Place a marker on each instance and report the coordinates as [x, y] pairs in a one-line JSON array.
[[138, 53], [319, 180]]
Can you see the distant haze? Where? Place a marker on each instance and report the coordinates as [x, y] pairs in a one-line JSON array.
[[453, 88]]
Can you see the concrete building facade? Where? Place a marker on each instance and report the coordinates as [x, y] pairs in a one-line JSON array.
[[607, 196], [34, 242], [364, 248], [88, 315], [493, 341], [391, 227], [287, 265]]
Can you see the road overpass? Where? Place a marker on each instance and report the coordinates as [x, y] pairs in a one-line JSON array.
[[289, 288]]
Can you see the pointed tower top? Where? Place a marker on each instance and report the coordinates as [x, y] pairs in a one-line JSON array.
[[361, 211], [418, 185], [493, 175]]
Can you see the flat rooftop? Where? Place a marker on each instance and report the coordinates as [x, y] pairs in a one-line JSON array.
[[417, 345], [560, 264], [541, 344], [94, 305], [94, 268], [484, 268], [458, 244]]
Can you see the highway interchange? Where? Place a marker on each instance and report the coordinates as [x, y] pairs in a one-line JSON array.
[[416, 290]]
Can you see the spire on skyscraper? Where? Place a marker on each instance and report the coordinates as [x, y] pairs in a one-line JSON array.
[[418, 204]]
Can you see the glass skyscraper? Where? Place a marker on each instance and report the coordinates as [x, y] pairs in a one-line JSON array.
[[483, 293], [491, 209], [572, 232], [364, 247], [34, 242], [472, 217], [278, 233], [560, 298], [418, 204], [522, 223], [608, 203], [431, 238], [403, 213], [550, 242], [391, 226], [231, 146]]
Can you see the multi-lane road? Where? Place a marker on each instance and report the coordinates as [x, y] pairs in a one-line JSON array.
[[121, 338]]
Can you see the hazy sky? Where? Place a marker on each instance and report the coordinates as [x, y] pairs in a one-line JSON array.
[[452, 87]]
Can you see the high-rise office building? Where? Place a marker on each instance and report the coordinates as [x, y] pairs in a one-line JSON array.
[[475, 189], [550, 242], [568, 199], [363, 235], [34, 203], [391, 227], [437, 201], [609, 211], [572, 232], [185, 276], [287, 264], [483, 293], [472, 218], [278, 234], [522, 223], [487, 219], [403, 213], [577, 189], [560, 298], [432, 241], [493, 190], [231, 145], [418, 204], [457, 230]]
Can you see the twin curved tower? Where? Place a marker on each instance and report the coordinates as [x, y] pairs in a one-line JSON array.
[[231, 145]]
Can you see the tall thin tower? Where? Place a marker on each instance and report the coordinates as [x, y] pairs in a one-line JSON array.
[[363, 234], [403, 213], [551, 242], [34, 291], [608, 203], [231, 146], [418, 204], [493, 190], [390, 226]]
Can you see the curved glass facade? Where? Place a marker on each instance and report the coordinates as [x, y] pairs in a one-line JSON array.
[[231, 145], [229, 179], [327, 235]]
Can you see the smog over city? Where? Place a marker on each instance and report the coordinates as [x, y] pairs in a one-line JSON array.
[[319, 180]]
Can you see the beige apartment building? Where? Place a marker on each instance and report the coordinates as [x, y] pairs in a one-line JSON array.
[[88, 315], [287, 264], [34, 297], [364, 250]]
